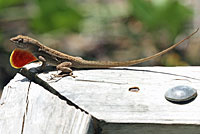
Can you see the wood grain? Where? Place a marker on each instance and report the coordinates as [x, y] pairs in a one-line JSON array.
[[105, 94]]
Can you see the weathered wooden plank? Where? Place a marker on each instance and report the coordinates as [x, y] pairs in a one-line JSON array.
[[31, 109], [105, 94], [149, 129], [12, 106]]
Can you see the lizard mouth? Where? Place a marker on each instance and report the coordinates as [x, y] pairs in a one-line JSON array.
[[18, 42], [14, 40]]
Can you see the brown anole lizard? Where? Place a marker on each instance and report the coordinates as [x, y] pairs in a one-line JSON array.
[[65, 62]]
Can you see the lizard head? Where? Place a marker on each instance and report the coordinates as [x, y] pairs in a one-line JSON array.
[[23, 42], [24, 55]]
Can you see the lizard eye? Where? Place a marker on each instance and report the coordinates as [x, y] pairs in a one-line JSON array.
[[20, 40]]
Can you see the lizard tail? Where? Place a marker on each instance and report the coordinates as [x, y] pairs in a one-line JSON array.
[[106, 64]]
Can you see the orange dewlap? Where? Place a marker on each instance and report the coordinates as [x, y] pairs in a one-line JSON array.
[[19, 58]]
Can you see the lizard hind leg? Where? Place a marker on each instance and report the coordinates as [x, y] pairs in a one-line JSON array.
[[65, 68]]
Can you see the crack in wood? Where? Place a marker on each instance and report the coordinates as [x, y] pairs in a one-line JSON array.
[[151, 71], [182, 80], [27, 102], [23, 122], [101, 81]]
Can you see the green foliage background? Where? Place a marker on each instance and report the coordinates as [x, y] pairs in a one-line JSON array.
[[170, 15]]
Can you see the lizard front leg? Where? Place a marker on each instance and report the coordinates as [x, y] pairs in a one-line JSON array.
[[44, 62]]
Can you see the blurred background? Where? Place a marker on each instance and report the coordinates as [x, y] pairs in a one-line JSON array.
[[115, 30]]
